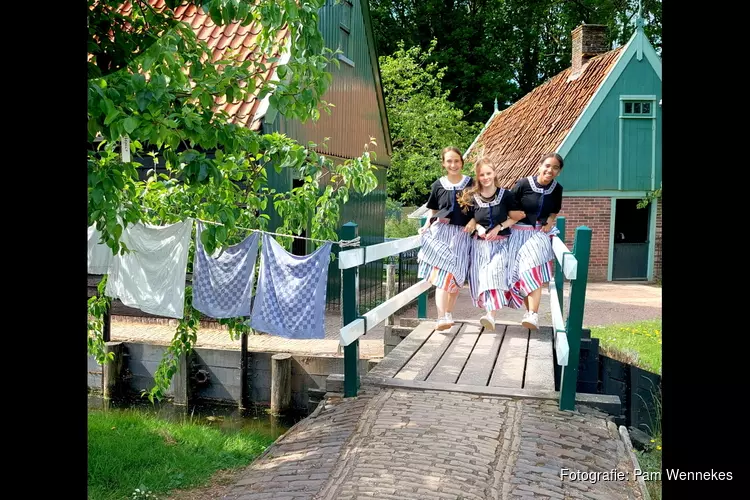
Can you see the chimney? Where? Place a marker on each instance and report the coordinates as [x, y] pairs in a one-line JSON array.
[[589, 40]]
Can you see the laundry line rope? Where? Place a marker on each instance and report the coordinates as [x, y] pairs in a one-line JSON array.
[[342, 243]]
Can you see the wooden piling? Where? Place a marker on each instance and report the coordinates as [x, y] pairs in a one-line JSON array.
[[244, 389], [281, 382], [181, 382], [111, 370]]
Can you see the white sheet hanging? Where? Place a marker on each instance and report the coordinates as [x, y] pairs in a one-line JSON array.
[[99, 254], [151, 277]]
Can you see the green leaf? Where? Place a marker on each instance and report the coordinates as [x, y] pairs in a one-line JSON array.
[[215, 13], [203, 172], [221, 234], [118, 181], [139, 80], [111, 116], [143, 98], [207, 101], [93, 127], [131, 123], [98, 195]]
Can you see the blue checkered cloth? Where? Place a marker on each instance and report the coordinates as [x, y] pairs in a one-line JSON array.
[[223, 285], [290, 298]]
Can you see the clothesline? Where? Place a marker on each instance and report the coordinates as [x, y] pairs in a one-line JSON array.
[[290, 290], [341, 243]]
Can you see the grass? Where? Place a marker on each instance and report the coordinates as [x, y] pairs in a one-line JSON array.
[[650, 461], [638, 344], [129, 449]]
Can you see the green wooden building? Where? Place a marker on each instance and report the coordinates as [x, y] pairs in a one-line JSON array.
[[603, 116], [359, 113]]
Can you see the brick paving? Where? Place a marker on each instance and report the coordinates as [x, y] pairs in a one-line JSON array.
[[411, 444]]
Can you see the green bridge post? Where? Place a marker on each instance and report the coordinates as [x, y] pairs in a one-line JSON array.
[[422, 299], [574, 327], [350, 312], [559, 276]]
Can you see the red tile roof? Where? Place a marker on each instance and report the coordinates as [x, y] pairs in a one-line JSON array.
[[232, 39], [516, 138]]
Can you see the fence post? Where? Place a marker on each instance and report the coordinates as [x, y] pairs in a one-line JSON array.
[[422, 299], [350, 312], [390, 287], [559, 276], [569, 378]]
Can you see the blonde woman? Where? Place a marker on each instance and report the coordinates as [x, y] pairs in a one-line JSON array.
[[495, 211]]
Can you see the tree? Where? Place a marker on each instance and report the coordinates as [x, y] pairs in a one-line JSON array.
[[154, 84], [422, 121], [503, 49]]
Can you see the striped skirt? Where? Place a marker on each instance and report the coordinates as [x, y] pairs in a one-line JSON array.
[[488, 273], [530, 263], [444, 256]]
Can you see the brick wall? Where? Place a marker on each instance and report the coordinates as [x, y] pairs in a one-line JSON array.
[[657, 243], [593, 212], [587, 40]]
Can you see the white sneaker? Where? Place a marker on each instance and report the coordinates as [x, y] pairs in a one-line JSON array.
[[531, 321], [449, 318], [488, 322], [442, 324]]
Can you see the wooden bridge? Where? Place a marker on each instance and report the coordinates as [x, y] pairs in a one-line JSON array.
[[509, 361]]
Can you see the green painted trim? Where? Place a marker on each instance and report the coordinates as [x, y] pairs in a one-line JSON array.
[[376, 74], [637, 97], [653, 154], [651, 242], [611, 245], [636, 117], [639, 44], [619, 156], [487, 124], [652, 56], [609, 81], [605, 194]]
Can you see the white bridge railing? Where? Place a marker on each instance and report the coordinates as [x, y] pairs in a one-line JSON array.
[[571, 265]]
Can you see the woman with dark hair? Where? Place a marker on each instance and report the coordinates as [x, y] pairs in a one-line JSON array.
[[530, 243], [444, 255]]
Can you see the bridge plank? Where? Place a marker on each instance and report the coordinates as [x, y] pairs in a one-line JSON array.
[[510, 363], [482, 359], [471, 389], [422, 363], [402, 353], [451, 365], [540, 370]]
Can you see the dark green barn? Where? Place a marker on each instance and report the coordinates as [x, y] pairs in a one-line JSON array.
[[359, 113]]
